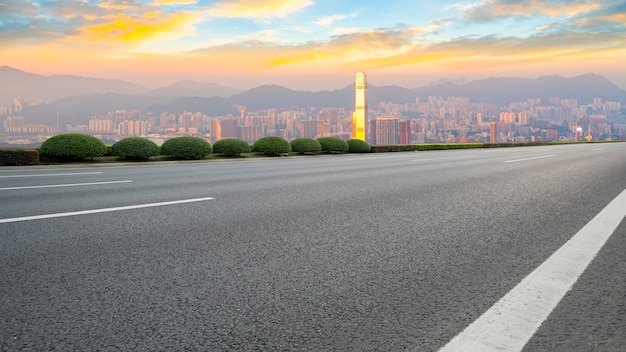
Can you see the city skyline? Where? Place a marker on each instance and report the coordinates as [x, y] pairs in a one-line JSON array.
[[314, 44]]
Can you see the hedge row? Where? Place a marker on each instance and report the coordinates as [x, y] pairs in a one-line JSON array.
[[13, 156], [332, 145], [69, 147]]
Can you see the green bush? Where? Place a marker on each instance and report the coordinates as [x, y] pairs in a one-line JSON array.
[[19, 156], [186, 147], [358, 146], [71, 146], [306, 146], [271, 145], [135, 148], [333, 144], [231, 147]]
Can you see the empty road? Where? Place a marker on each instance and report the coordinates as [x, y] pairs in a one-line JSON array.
[[369, 252]]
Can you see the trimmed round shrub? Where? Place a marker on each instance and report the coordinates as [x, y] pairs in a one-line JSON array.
[[333, 144], [135, 148], [358, 146], [231, 147], [306, 146], [72, 146], [186, 147], [271, 145]]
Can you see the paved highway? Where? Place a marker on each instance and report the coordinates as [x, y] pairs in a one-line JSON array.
[[372, 252]]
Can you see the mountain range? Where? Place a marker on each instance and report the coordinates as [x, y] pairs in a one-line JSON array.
[[80, 98]]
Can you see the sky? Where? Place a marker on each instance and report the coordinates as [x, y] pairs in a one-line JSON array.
[[314, 44]]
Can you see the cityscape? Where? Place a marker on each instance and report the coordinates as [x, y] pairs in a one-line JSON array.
[[436, 119]]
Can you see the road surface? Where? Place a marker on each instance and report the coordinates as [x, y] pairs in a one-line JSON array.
[[369, 252]]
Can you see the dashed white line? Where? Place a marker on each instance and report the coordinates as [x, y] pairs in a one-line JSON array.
[[512, 321], [103, 210], [533, 158], [48, 175], [598, 149], [65, 185]]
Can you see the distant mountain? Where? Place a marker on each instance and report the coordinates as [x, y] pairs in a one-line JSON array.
[[16, 83], [193, 89], [507, 90], [214, 106], [195, 97]]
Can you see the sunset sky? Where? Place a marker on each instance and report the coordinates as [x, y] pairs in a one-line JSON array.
[[313, 44]]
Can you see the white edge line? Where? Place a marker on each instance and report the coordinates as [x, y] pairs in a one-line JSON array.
[[535, 157], [65, 185], [103, 210], [510, 323], [47, 175]]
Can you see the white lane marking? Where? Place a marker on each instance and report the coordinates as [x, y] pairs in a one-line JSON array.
[[512, 321], [454, 157], [381, 157], [598, 149], [533, 158], [65, 185], [47, 175], [103, 210]]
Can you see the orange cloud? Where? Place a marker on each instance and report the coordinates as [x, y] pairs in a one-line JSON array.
[[257, 8], [125, 28], [346, 47], [487, 52]]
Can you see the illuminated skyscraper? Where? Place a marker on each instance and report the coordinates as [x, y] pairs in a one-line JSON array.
[[359, 116]]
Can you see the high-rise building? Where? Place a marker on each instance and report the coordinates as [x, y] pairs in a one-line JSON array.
[[404, 132], [387, 130], [359, 116], [493, 132]]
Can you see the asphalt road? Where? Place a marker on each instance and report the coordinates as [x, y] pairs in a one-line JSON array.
[[372, 252]]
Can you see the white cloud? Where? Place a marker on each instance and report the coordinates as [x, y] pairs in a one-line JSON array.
[[328, 20]]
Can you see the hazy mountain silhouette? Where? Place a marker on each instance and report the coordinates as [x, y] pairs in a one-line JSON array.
[[214, 106], [95, 97], [17, 83], [189, 88]]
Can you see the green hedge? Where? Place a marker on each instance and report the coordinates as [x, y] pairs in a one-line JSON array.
[[271, 145], [135, 148], [231, 147], [306, 146], [19, 156], [358, 146], [71, 146], [384, 148], [333, 144], [186, 147]]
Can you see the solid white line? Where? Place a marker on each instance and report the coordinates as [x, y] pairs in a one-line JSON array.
[[46, 175], [533, 158], [512, 321], [65, 185], [104, 210]]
